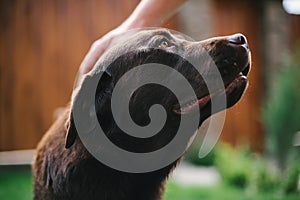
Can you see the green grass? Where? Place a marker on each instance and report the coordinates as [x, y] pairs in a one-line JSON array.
[[222, 192], [16, 184]]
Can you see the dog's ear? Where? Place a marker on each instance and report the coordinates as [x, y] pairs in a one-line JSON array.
[[83, 99], [71, 132]]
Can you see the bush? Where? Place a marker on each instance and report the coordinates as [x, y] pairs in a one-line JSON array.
[[235, 165], [281, 112], [290, 184], [192, 156], [241, 168], [265, 177]]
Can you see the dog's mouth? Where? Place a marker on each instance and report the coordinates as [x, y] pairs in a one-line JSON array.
[[233, 92]]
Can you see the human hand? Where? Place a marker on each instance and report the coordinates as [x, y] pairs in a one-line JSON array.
[[148, 13], [97, 49]]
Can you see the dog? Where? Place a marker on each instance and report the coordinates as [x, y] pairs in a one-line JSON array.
[[64, 169]]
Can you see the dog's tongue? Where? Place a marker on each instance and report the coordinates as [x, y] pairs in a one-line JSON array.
[[192, 105]]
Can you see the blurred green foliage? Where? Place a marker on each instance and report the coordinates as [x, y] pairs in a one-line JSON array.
[[264, 176], [281, 112], [192, 156], [292, 177], [221, 192], [234, 165], [253, 172], [15, 183]]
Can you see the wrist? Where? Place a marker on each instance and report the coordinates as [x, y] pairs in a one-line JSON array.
[[133, 23]]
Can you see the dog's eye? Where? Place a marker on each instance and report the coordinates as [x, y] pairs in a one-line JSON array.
[[164, 44]]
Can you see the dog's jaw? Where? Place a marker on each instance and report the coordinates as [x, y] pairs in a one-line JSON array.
[[233, 91]]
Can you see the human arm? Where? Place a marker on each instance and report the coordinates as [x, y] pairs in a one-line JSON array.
[[147, 13]]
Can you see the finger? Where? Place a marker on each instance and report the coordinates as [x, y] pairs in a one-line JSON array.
[[91, 58]]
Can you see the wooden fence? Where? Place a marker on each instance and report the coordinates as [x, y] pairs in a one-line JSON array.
[[243, 121], [42, 43]]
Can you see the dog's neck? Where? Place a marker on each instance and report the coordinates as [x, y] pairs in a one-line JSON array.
[[113, 184]]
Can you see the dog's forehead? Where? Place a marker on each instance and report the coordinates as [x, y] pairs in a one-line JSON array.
[[149, 33], [171, 34], [137, 40]]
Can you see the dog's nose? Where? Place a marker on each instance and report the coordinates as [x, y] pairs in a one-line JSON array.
[[238, 39]]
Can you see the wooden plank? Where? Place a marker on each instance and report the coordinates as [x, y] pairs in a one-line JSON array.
[[243, 124], [294, 22], [6, 72], [42, 44]]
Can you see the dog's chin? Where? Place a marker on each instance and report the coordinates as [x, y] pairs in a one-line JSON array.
[[233, 93]]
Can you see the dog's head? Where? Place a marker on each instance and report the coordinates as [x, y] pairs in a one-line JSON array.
[[230, 55]]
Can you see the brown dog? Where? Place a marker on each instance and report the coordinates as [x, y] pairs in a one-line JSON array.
[[63, 167]]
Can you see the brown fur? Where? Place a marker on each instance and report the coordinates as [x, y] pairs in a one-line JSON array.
[[69, 163], [64, 170]]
